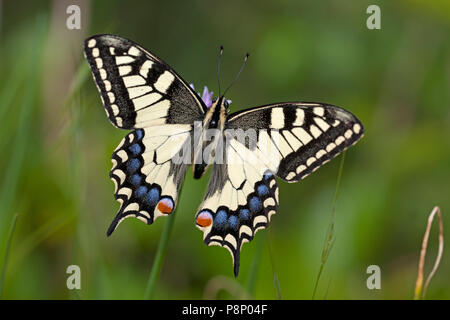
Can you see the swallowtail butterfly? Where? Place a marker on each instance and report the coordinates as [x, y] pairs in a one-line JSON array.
[[142, 93]]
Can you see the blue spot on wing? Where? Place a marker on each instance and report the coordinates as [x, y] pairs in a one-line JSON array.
[[244, 214], [135, 149], [136, 179], [233, 222], [139, 134], [141, 191], [268, 175], [133, 165], [220, 218], [262, 190], [152, 197], [255, 204]]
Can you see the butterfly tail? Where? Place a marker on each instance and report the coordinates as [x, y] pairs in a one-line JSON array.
[[113, 225], [237, 258]]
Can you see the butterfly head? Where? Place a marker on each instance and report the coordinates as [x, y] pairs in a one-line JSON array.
[[221, 102], [218, 109]]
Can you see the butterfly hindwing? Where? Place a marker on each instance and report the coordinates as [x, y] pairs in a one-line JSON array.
[[147, 180], [231, 213], [138, 89]]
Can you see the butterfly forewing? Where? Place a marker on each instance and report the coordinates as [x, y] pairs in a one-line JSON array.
[[138, 89], [300, 136]]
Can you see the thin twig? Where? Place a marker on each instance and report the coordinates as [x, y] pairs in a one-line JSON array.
[[423, 252]]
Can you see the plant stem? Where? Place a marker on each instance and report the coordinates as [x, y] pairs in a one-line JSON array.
[[419, 282], [159, 258], [329, 238]]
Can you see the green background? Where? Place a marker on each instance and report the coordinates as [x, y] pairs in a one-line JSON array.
[[56, 145]]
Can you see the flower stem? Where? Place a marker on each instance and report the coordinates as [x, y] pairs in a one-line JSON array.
[[159, 258]]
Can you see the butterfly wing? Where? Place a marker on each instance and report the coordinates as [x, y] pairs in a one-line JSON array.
[[137, 88], [302, 136], [147, 180], [289, 140], [239, 201], [140, 91]]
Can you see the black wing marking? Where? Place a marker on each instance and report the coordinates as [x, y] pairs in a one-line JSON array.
[[147, 180], [137, 88], [298, 137]]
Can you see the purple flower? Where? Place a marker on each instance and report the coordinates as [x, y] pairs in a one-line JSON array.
[[206, 96]]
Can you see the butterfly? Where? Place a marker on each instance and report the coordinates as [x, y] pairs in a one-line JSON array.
[[168, 120]]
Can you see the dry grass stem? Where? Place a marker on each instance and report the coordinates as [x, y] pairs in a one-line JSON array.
[[420, 288]]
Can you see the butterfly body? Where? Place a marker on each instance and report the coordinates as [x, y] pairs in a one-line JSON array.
[[172, 128], [214, 121]]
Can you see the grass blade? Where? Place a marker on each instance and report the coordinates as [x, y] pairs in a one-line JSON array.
[[330, 237]]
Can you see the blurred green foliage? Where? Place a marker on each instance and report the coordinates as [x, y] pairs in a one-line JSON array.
[[56, 144]]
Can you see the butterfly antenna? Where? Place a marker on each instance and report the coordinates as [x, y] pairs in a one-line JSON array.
[[218, 67], [238, 74]]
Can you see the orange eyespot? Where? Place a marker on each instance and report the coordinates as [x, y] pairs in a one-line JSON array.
[[165, 205], [204, 219]]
